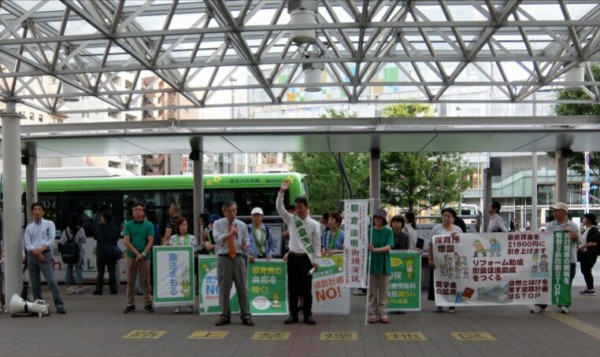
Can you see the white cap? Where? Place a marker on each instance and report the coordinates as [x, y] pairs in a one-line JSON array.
[[257, 210]]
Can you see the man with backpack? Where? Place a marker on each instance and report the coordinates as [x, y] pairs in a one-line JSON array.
[[39, 241], [71, 250]]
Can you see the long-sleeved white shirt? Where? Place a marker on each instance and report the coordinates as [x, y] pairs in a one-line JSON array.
[[221, 231], [39, 234], [313, 229]]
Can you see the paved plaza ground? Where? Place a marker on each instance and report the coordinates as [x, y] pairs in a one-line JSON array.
[[96, 326]]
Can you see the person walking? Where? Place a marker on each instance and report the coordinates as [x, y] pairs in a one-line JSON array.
[[588, 252], [39, 240]]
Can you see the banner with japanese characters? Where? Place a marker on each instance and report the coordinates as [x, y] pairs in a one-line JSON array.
[[267, 287], [476, 269], [356, 242], [173, 274], [208, 293], [330, 295], [404, 291], [561, 261]]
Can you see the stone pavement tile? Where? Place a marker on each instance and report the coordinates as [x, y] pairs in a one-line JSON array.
[[96, 325]]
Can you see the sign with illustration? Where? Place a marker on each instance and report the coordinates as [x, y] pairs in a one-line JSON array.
[[356, 233], [475, 269], [404, 291], [173, 274], [208, 293], [267, 287], [330, 295]]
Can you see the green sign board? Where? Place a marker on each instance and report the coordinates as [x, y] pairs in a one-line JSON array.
[[267, 287], [404, 291]]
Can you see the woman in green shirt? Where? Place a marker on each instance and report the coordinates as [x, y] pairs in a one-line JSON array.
[[382, 240]]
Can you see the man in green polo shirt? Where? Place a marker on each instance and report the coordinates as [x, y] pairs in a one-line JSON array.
[[139, 237]]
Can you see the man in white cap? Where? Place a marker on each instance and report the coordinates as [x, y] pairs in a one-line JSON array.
[[261, 241], [562, 223]]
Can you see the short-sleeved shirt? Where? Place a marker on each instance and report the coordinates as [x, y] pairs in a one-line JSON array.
[[439, 230], [380, 262], [555, 226], [496, 224], [138, 233]]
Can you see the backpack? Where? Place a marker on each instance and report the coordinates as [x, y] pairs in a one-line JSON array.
[[69, 251]]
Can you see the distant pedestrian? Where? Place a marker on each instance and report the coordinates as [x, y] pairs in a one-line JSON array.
[[107, 236], [588, 252], [496, 223], [73, 232]]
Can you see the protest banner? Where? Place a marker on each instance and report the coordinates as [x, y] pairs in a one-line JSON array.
[[267, 287], [330, 295], [208, 293], [404, 291], [173, 275], [476, 269], [356, 242], [561, 261]]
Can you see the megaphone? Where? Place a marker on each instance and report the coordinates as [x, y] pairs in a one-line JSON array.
[[18, 305]]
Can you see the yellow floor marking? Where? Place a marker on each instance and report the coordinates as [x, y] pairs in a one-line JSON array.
[[576, 324], [339, 336], [208, 335], [473, 336], [271, 336], [405, 336], [145, 334]]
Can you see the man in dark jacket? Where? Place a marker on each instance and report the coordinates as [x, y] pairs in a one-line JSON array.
[[107, 236]]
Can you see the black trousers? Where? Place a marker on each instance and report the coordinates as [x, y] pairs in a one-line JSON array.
[[587, 263], [111, 265], [299, 284]]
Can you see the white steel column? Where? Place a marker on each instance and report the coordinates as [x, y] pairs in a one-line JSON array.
[[562, 156], [12, 190], [31, 194], [375, 177], [197, 156]]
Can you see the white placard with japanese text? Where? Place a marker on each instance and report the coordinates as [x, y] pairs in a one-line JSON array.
[[356, 242]]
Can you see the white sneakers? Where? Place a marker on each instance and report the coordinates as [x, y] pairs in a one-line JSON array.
[[563, 309]]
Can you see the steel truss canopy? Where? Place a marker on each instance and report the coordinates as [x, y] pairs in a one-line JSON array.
[[413, 51]]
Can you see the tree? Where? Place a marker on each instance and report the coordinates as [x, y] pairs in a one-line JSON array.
[[326, 187], [576, 162], [419, 181]]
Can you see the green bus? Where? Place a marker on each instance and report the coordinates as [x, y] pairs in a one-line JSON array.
[[89, 197]]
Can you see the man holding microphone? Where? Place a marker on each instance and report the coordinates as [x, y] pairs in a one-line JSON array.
[[231, 241]]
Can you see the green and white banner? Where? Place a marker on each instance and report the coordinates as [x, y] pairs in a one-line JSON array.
[[520, 268], [561, 280], [330, 294], [404, 291], [173, 274], [267, 287], [209, 287]]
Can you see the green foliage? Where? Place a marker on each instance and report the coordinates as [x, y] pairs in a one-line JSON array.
[[323, 176], [324, 180], [418, 181], [576, 162]]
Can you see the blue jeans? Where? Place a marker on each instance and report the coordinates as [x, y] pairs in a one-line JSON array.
[[46, 267], [78, 272]]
